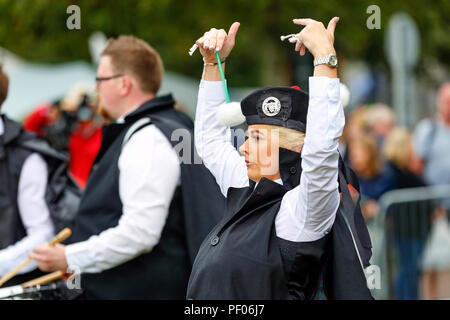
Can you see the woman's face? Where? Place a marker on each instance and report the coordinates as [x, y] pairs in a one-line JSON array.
[[359, 157], [261, 150]]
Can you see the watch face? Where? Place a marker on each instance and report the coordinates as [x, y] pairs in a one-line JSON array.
[[333, 61]]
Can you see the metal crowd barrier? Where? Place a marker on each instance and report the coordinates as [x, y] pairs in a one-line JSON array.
[[399, 233]]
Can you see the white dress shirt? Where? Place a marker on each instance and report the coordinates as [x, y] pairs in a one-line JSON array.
[[307, 212], [33, 212], [149, 172]]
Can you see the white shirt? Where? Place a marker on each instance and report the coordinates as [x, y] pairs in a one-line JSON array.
[[149, 171], [307, 212], [33, 212]]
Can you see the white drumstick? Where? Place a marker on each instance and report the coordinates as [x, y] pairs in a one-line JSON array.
[[289, 36], [192, 49]]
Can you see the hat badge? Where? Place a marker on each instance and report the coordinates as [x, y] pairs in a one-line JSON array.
[[271, 106]]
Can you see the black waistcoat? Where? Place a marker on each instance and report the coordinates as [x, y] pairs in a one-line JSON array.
[[12, 158], [242, 258], [160, 274]]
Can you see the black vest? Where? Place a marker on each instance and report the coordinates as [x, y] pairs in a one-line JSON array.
[[12, 158], [242, 258], [162, 273]]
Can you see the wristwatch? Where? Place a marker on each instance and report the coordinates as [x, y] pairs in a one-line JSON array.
[[330, 60]]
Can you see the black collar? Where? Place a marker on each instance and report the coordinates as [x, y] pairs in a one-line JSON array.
[[290, 164], [12, 129], [161, 102]]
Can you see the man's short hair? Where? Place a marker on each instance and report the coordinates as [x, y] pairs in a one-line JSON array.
[[133, 56], [4, 84]]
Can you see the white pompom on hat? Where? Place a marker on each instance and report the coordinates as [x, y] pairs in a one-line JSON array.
[[345, 95], [230, 114]]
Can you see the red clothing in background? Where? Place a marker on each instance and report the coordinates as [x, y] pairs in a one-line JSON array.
[[84, 145], [38, 119]]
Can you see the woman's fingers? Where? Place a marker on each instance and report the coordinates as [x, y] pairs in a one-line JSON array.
[[298, 44], [232, 32], [332, 25], [302, 50], [217, 40], [303, 22], [212, 39], [206, 41], [200, 41], [221, 36]]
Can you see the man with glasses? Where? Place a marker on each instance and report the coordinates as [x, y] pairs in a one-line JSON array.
[[135, 235]]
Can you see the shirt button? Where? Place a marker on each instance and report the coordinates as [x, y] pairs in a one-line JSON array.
[[214, 240], [293, 170]]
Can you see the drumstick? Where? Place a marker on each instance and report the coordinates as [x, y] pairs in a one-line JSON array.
[[64, 234], [44, 279]]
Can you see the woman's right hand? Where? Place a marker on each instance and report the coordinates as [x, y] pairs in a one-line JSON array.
[[217, 40]]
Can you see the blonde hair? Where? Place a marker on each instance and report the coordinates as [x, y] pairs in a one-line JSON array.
[[396, 147], [369, 144], [380, 113], [289, 138]]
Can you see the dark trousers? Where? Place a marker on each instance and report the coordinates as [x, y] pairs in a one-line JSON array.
[[407, 282]]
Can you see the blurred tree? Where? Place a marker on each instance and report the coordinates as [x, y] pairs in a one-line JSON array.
[[36, 30]]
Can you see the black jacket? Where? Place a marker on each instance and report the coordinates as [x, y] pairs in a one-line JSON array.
[[242, 258]]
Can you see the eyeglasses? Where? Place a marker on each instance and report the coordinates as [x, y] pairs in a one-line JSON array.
[[98, 79]]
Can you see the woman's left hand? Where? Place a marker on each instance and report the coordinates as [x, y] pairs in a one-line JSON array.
[[314, 37], [217, 40]]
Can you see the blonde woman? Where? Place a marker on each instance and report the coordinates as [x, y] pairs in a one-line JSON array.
[[282, 189], [410, 228]]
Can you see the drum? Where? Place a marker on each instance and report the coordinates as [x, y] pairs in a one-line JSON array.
[[52, 291]]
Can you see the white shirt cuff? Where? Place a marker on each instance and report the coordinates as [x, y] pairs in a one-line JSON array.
[[211, 90], [77, 255], [324, 87]]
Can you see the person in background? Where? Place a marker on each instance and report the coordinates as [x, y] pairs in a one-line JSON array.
[[381, 120], [43, 116], [24, 215], [356, 125], [137, 228], [431, 142], [398, 150], [85, 138], [410, 228], [375, 177], [73, 126]]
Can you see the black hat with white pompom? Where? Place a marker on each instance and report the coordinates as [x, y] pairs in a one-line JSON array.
[[280, 106]]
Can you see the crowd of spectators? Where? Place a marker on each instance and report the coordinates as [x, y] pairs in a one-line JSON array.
[[71, 125], [387, 157]]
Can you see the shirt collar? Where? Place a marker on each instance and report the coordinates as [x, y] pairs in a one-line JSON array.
[[279, 181], [121, 119]]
